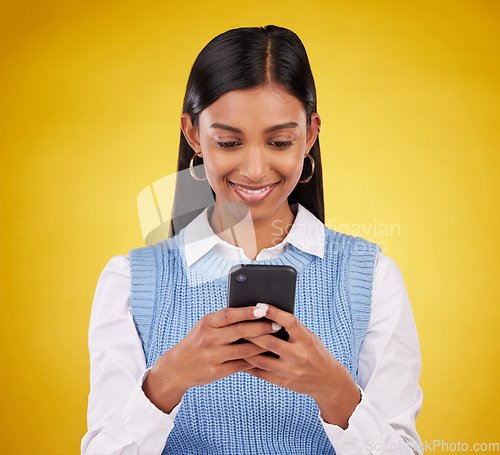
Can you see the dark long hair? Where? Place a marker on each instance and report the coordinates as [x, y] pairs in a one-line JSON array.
[[239, 59]]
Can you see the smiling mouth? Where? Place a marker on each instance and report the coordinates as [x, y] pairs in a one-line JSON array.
[[253, 194]]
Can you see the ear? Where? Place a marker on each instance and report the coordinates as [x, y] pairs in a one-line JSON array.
[[190, 132], [313, 131]]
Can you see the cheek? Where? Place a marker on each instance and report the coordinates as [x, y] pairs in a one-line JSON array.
[[291, 166], [216, 166]]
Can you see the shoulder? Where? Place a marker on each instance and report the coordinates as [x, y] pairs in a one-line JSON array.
[[355, 246], [117, 266], [151, 264], [112, 294], [152, 252], [388, 278]]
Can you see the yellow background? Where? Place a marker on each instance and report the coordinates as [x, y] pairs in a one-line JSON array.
[[91, 95]]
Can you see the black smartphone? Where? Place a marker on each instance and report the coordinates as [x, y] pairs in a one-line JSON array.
[[249, 284]]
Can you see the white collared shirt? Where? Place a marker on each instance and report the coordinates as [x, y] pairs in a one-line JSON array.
[[121, 419], [307, 233]]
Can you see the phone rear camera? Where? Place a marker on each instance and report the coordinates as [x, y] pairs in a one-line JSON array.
[[240, 278]]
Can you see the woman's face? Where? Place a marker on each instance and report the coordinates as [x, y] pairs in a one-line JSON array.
[[253, 143]]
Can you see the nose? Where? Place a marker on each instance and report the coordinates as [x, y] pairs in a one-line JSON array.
[[255, 164]]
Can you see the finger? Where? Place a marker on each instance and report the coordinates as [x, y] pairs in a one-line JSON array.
[[262, 374], [233, 366], [272, 343], [228, 316], [245, 329], [268, 364], [266, 376], [239, 351], [291, 323]]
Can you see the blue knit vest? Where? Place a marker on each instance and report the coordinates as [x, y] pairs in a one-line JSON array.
[[242, 414]]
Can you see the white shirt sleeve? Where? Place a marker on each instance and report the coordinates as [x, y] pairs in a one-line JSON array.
[[120, 418], [388, 375]]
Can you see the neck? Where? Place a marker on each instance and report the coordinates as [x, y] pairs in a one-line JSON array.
[[249, 234]]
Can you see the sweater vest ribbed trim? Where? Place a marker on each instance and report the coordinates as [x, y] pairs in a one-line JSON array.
[[241, 413]]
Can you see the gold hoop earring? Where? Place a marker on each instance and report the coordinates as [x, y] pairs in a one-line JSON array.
[[191, 169], [312, 172]]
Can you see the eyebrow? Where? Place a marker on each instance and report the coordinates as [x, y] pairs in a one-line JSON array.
[[268, 130]]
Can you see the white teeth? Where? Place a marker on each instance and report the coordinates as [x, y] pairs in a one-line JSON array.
[[252, 191]]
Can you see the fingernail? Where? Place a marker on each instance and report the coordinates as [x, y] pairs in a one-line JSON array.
[[275, 326], [263, 305], [259, 312]]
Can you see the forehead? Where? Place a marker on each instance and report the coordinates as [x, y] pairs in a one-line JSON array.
[[262, 105]]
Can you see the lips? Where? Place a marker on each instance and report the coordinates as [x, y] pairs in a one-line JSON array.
[[253, 193]]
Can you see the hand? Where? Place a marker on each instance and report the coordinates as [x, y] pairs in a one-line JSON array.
[[205, 354], [305, 366]]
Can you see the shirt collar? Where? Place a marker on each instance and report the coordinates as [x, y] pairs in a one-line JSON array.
[[307, 233]]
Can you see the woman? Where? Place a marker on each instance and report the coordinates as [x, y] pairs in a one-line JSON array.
[[165, 374]]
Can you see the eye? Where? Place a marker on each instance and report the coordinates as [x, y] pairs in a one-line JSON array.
[[233, 144], [281, 144], [227, 145]]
